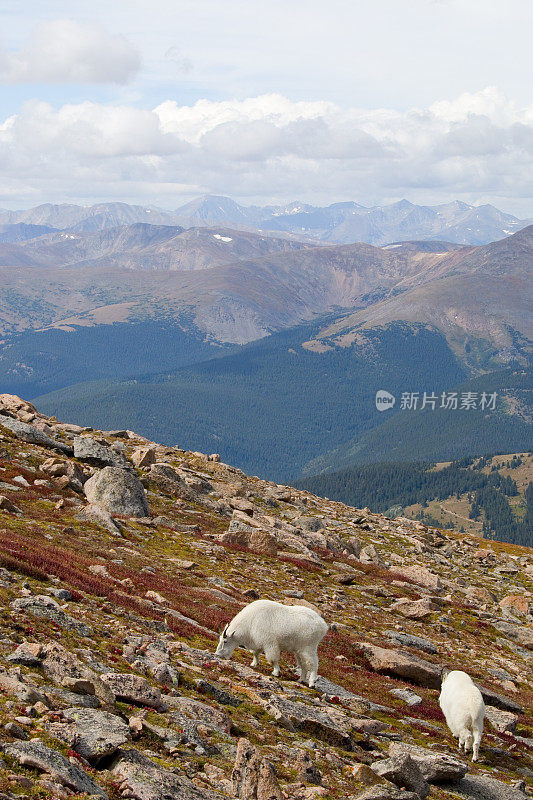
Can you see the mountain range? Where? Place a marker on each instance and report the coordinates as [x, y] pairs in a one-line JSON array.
[[341, 223], [237, 286]]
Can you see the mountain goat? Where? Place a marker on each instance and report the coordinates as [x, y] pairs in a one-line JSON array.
[[271, 627], [462, 705]]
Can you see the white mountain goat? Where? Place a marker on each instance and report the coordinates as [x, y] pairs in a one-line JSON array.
[[462, 705], [271, 627]]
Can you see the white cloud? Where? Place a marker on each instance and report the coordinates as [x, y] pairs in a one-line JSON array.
[[66, 51], [479, 146]]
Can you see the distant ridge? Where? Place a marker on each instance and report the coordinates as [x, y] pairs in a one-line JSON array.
[[341, 223]]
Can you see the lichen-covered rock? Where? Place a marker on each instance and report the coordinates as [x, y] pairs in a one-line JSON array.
[[144, 456], [41, 605], [479, 595], [482, 787], [117, 491], [503, 721], [7, 505], [309, 523], [25, 692], [409, 640], [169, 481], [383, 792], [253, 777], [37, 755], [403, 771], [401, 665], [252, 539], [133, 689], [16, 405], [517, 603], [65, 669], [143, 779], [434, 766], [518, 633], [492, 698], [93, 734], [422, 576], [334, 727], [306, 769], [201, 712], [408, 697], [369, 555], [100, 517], [27, 654], [30, 434], [88, 449], [268, 787], [414, 609]]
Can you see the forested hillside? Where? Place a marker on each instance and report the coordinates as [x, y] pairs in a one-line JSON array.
[[442, 434], [491, 495], [272, 406], [36, 361]]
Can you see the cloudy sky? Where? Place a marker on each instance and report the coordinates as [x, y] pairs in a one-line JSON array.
[[368, 100]]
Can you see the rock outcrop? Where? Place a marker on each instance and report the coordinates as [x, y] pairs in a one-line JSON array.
[[117, 491]]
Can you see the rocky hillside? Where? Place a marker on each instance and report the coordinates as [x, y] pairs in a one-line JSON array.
[[236, 286], [119, 560], [473, 297]]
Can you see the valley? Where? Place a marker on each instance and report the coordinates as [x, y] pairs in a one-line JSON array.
[[267, 348]]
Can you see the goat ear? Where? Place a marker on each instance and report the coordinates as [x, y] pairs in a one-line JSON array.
[[444, 674]]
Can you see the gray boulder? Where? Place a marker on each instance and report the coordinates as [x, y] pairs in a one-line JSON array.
[[62, 698], [118, 492], [41, 605], [169, 481], [401, 665], [93, 734], [312, 524], [66, 670], [7, 505], [334, 728], [404, 772], [93, 452], [38, 756], [325, 686], [481, 787], [434, 766], [203, 713], [492, 698], [409, 640], [32, 435], [132, 688], [100, 517], [502, 721], [146, 780], [408, 697], [386, 793], [26, 654], [253, 776]]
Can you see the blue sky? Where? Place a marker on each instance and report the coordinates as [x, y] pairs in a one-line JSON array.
[[156, 102]]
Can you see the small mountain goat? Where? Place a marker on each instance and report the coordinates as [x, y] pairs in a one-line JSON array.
[[271, 627], [462, 705]]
